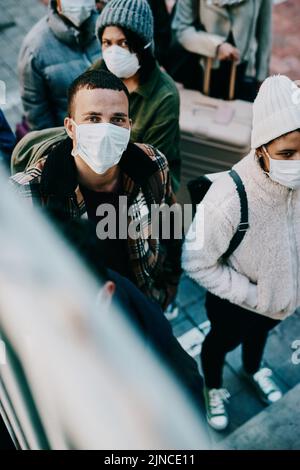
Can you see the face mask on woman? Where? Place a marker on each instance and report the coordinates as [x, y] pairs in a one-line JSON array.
[[121, 62], [100, 145], [77, 11], [285, 172]]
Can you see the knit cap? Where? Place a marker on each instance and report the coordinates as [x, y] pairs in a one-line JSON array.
[[135, 15], [276, 110]]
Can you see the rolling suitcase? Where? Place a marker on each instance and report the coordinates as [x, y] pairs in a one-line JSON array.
[[215, 134]]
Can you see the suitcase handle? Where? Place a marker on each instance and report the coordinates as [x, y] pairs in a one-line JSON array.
[[207, 78]]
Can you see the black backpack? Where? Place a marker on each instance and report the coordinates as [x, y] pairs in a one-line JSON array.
[[199, 187]]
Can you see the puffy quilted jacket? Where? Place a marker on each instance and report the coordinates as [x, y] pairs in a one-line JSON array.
[[52, 55]]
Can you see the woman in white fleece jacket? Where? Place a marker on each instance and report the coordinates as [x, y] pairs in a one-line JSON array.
[[259, 284]]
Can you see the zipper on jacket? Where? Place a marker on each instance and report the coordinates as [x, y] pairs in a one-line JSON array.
[[294, 254]]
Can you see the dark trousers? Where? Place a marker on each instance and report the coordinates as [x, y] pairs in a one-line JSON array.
[[231, 326]]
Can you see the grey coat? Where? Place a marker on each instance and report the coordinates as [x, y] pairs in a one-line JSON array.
[[249, 21], [52, 55]]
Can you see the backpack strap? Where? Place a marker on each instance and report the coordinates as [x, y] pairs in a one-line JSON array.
[[244, 224], [198, 189]]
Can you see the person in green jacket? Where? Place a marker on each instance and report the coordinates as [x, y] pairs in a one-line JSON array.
[[125, 30]]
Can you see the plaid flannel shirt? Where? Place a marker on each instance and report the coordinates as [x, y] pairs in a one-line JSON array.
[[155, 263]]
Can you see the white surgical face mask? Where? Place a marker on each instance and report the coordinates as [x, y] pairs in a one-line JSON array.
[[103, 305], [121, 62], [100, 145], [77, 11], [285, 172]]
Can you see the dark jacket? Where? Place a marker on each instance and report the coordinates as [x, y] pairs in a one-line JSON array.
[[150, 321], [162, 30], [7, 140], [52, 55]]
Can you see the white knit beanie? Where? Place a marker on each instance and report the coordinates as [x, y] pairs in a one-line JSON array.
[[276, 110]]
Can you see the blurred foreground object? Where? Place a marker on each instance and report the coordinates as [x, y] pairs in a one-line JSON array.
[[69, 378], [7, 140]]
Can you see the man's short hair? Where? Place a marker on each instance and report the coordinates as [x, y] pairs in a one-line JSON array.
[[92, 80]]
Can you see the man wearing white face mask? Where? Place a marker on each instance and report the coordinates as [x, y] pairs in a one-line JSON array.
[[259, 284], [125, 30], [93, 165], [61, 46]]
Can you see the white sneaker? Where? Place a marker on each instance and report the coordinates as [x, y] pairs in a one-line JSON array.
[[216, 413], [267, 389]]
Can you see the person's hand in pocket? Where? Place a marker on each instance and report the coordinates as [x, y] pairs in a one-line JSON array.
[[251, 298]]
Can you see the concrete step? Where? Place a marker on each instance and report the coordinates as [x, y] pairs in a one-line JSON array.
[[277, 427]]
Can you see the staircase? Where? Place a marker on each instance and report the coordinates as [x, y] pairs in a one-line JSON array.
[[275, 428]]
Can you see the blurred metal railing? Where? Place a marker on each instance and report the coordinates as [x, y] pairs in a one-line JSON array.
[[72, 379]]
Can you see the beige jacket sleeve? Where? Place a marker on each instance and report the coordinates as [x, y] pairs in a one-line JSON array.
[[199, 42]]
